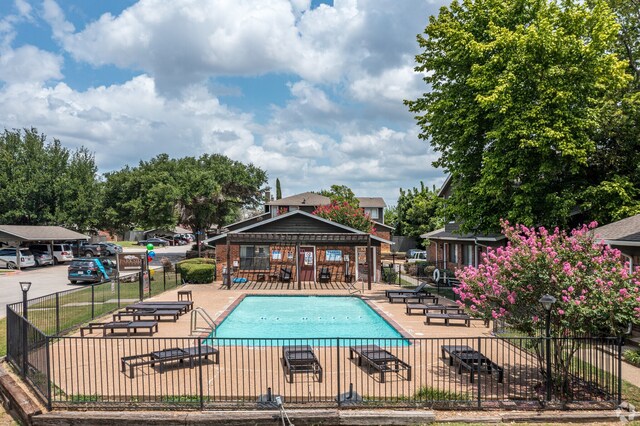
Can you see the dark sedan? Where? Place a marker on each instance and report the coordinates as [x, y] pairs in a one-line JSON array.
[[155, 241]]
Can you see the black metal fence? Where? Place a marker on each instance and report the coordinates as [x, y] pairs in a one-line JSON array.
[[441, 283], [200, 373], [59, 312], [209, 372]]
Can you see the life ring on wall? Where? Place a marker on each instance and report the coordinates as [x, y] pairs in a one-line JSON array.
[[436, 275]]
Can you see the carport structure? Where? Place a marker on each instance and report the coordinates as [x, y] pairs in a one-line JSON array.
[[18, 235]]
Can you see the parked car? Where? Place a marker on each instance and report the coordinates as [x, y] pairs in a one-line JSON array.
[[8, 254], [85, 249], [155, 241], [110, 249], [90, 270], [410, 252], [61, 252], [178, 240], [418, 256], [42, 258]]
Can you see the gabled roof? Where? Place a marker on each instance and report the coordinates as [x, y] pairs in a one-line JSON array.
[[338, 226], [445, 189], [624, 232], [372, 202], [248, 221], [38, 233], [382, 225], [304, 199], [449, 232]]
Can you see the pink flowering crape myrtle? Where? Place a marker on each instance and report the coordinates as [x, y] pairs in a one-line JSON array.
[[596, 292]]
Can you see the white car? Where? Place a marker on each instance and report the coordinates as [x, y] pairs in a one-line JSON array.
[[61, 252], [8, 255], [418, 256]]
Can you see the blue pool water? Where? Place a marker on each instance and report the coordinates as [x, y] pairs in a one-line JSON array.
[[301, 317]]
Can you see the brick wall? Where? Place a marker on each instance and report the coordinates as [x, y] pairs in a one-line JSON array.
[[386, 234]]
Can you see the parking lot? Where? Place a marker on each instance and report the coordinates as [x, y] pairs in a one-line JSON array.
[[50, 279]]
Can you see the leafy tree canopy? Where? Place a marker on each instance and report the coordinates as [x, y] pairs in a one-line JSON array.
[[346, 214], [520, 92], [44, 183], [419, 210], [341, 194], [196, 192], [278, 190]]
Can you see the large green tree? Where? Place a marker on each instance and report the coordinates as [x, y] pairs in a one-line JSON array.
[[341, 194], [419, 210], [44, 183], [517, 95], [196, 192]]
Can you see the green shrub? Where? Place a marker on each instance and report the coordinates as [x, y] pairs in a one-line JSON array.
[[389, 275], [632, 357], [198, 273], [197, 270]]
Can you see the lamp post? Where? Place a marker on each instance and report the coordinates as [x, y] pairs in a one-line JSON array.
[[25, 286], [547, 302]]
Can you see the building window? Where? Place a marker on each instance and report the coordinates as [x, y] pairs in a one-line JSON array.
[[467, 255], [453, 253], [372, 212], [254, 258]]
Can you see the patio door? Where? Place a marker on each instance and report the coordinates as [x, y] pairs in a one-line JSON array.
[[362, 267], [307, 262]]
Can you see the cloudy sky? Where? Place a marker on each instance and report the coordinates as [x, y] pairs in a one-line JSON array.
[[310, 91]]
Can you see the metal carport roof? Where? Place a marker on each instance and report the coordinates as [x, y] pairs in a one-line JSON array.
[[38, 233]]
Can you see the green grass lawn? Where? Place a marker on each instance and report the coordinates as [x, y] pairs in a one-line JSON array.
[[127, 243]]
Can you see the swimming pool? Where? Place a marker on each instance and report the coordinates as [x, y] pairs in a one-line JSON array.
[[302, 317]]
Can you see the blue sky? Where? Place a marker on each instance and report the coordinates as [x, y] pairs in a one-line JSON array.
[[311, 91]]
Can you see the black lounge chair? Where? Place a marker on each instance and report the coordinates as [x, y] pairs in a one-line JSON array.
[[450, 349], [155, 314], [324, 276], [380, 360], [475, 362], [285, 275], [127, 326], [415, 291], [169, 355], [300, 359]]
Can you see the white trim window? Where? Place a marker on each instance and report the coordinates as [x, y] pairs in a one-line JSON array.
[[372, 212]]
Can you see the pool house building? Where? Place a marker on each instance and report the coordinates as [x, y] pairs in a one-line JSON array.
[[297, 249]]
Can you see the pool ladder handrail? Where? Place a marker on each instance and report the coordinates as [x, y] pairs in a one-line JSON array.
[[211, 324]]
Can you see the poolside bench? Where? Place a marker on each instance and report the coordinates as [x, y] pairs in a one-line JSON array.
[[412, 298], [155, 314], [128, 326], [300, 359], [380, 360], [425, 308], [449, 349], [475, 362], [165, 356], [466, 319], [183, 305]]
